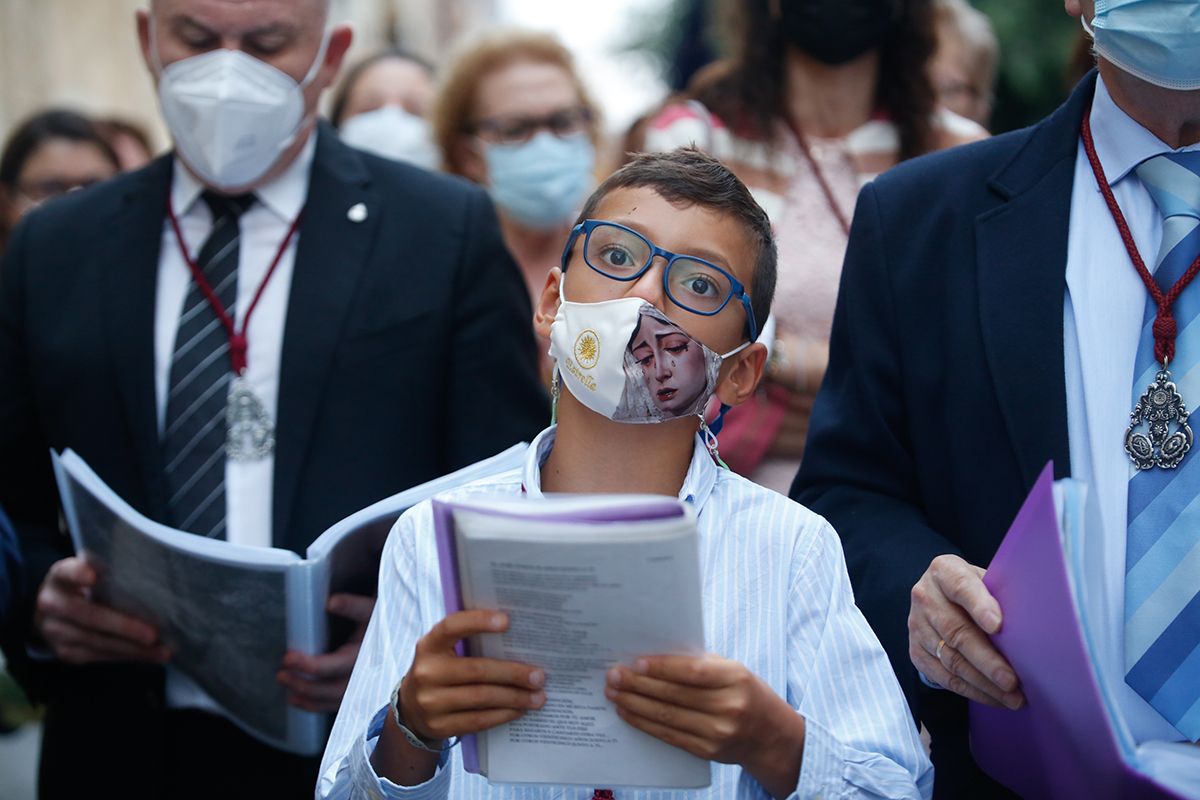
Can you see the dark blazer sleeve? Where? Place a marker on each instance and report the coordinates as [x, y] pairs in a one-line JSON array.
[[10, 569], [495, 395], [26, 484], [859, 470]]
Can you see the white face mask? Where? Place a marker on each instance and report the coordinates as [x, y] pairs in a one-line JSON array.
[[625, 360], [392, 132], [230, 114]]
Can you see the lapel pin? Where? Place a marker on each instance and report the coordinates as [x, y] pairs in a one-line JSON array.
[[357, 213]]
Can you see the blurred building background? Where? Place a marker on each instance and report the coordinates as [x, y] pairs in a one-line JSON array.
[[83, 53]]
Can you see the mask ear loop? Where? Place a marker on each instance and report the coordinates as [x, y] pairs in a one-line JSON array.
[[555, 391], [710, 437]]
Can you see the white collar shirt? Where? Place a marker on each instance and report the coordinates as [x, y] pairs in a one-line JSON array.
[[248, 484], [776, 597]]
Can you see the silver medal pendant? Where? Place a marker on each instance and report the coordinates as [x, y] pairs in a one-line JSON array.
[[1158, 433], [250, 433]]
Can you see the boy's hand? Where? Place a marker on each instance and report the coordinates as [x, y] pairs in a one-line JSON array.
[[317, 683], [716, 709], [445, 695]]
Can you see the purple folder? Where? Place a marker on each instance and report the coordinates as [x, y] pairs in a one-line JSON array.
[[1061, 744], [447, 548]]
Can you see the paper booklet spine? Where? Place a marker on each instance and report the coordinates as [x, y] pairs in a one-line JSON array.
[[306, 632], [66, 496], [447, 550]]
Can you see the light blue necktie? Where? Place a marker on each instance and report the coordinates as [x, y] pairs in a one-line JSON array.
[[1162, 558]]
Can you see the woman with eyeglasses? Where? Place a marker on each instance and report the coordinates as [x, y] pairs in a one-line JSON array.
[[512, 114], [47, 155], [816, 98]]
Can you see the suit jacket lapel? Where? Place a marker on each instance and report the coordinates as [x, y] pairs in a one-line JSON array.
[[136, 229], [1021, 252], [331, 254]]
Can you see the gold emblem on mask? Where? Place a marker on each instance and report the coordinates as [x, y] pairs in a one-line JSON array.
[[587, 349]]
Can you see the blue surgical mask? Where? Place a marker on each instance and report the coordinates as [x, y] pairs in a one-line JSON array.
[[541, 183], [1155, 40]]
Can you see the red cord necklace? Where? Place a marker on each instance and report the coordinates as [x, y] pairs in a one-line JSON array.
[[237, 339], [250, 433], [1161, 406]]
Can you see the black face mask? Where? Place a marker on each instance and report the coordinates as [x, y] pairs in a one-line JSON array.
[[836, 31]]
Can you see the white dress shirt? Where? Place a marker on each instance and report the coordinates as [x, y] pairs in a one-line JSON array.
[[776, 598], [1105, 303], [248, 484]]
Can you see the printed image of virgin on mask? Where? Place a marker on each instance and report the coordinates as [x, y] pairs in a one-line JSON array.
[[666, 373]]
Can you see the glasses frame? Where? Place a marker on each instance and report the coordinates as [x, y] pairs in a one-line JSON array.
[[736, 287], [488, 128]]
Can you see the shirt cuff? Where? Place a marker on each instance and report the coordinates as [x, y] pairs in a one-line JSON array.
[[823, 765], [377, 788]]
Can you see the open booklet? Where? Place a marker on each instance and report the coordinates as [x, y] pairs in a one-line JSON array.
[[1070, 739], [587, 582], [229, 612]]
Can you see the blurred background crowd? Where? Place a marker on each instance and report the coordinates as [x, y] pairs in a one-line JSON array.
[[537, 101]]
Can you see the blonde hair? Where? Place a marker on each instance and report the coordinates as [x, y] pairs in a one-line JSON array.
[[457, 94]]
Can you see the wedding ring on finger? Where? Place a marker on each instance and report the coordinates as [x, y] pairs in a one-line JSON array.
[[938, 652]]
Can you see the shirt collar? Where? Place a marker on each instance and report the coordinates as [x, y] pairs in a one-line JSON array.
[[1121, 143], [697, 484], [283, 195]]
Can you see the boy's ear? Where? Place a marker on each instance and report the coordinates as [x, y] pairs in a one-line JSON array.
[[740, 375], [547, 304]]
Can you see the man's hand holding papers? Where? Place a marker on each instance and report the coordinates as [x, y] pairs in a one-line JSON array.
[[79, 630], [318, 682], [951, 617]]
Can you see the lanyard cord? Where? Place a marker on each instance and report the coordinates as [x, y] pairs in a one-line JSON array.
[[802, 141], [1165, 328], [238, 343]]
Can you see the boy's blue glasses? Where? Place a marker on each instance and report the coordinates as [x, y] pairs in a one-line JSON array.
[[691, 283]]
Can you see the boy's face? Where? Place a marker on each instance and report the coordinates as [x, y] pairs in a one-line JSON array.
[[689, 230]]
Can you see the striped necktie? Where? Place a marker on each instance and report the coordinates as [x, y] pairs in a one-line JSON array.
[[1162, 555], [195, 429]]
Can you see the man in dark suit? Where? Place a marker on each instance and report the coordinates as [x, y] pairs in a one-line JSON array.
[[988, 322], [248, 339]]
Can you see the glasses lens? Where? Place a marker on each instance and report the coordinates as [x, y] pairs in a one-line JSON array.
[[517, 130], [616, 252], [568, 122], [698, 286]]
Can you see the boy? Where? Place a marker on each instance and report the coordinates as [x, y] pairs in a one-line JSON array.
[[796, 697]]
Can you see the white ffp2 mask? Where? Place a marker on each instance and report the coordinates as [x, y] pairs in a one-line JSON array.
[[393, 133], [230, 114]]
